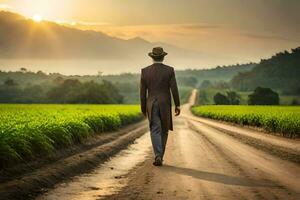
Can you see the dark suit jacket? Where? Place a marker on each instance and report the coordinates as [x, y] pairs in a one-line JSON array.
[[156, 82]]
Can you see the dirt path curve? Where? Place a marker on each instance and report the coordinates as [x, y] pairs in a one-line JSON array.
[[201, 162]]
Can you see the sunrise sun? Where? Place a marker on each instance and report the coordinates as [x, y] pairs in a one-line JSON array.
[[37, 18]]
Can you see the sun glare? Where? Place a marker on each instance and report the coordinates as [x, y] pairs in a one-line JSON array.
[[37, 18]]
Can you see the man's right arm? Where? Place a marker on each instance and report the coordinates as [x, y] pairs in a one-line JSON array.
[[143, 94]]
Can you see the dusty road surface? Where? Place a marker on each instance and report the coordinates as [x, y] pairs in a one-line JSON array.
[[203, 161]]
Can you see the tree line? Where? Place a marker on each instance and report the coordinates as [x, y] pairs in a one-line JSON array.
[[61, 91], [269, 81], [260, 96], [280, 72]]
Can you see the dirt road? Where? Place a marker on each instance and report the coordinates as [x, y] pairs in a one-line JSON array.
[[201, 162]]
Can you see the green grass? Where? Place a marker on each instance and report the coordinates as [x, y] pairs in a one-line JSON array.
[[280, 119], [30, 131]]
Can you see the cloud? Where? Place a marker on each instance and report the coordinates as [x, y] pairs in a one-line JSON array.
[[199, 26], [83, 24], [5, 7], [267, 37], [93, 23]]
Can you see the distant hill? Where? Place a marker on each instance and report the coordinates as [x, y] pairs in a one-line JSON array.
[[280, 72], [21, 37], [224, 73]]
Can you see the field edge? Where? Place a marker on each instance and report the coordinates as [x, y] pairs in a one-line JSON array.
[[34, 183]]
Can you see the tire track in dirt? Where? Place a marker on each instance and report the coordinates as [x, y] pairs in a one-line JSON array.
[[225, 157], [279, 151], [281, 191]]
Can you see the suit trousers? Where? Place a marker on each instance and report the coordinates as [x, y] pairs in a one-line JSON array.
[[158, 136]]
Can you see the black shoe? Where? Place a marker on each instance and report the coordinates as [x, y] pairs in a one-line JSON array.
[[158, 161]]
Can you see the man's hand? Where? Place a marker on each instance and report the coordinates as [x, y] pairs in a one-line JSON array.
[[177, 111]]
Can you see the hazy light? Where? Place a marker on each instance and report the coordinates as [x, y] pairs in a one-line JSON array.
[[59, 22], [63, 22], [5, 7], [37, 18]]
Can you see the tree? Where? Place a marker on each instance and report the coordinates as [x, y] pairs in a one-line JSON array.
[[263, 96], [206, 84], [221, 85], [58, 80], [10, 92], [74, 91], [271, 73], [189, 81], [10, 82], [41, 73], [62, 92], [295, 102], [23, 70], [233, 98], [203, 99], [32, 94], [221, 99]]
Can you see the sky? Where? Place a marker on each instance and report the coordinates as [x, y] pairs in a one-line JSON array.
[[230, 30]]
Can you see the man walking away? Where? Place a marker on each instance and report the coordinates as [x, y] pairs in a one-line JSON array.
[[156, 82]]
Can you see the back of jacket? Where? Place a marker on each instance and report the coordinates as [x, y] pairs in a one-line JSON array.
[[157, 81]]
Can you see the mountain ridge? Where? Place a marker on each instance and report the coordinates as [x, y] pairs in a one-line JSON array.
[[21, 38]]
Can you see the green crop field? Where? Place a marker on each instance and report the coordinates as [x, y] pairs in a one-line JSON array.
[[29, 131], [280, 119]]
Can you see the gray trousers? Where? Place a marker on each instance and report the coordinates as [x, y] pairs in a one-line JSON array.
[[158, 136]]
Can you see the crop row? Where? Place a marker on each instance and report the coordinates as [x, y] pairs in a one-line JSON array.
[[30, 131], [284, 120]]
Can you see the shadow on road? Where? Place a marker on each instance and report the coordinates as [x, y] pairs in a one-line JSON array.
[[216, 177]]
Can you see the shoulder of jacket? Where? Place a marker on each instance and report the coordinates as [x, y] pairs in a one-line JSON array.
[[145, 68], [168, 67]]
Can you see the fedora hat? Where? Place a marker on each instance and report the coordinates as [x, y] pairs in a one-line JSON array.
[[157, 52]]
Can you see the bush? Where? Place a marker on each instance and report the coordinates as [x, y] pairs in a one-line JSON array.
[[221, 99], [263, 96]]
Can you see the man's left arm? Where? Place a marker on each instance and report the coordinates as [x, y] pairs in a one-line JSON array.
[[175, 93]]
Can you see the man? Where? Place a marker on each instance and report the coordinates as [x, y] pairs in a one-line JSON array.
[[156, 82]]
